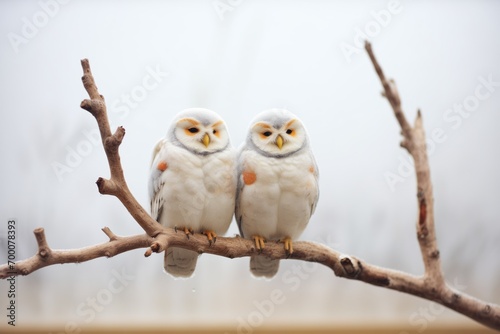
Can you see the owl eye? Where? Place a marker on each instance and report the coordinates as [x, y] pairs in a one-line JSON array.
[[193, 130], [214, 132], [289, 131], [267, 133]]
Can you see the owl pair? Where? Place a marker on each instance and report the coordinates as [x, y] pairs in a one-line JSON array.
[[197, 182]]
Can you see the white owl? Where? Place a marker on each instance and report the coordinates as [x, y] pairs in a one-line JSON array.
[[277, 184], [192, 184]]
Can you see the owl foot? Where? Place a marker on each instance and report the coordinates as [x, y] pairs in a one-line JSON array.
[[259, 243], [211, 236], [186, 230], [288, 246]]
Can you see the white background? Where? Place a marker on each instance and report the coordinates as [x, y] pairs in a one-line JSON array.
[[253, 56]]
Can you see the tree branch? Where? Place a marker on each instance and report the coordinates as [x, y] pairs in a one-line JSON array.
[[47, 256], [430, 286], [116, 185], [414, 142], [433, 279]]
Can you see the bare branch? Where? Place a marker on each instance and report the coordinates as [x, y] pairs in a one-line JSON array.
[[109, 233], [47, 256], [43, 247], [345, 266], [433, 280], [392, 94], [414, 142], [430, 286], [116, 185]]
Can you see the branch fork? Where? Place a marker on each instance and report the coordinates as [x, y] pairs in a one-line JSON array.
[[431, 285]]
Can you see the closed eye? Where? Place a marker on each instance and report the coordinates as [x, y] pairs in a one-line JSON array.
[[193, 130]]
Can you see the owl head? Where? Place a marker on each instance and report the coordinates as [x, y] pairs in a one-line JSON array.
[[200, 131], [277, 133]]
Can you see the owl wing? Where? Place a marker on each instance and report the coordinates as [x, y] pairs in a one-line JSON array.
[[156, 183], [239, 189], [315, 197]]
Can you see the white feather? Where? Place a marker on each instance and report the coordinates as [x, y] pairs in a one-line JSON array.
[[284, 195], [196, 191]]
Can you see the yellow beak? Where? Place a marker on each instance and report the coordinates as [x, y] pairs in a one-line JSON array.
[[279, 142], [206, 140]]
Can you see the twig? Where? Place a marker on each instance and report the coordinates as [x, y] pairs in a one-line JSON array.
[[430, 286], [414, 142], [433, 279], [47, 256], [116, 185], [345, 266]]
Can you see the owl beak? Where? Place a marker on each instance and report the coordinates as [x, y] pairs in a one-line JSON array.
[[206, 140], [279, 142]]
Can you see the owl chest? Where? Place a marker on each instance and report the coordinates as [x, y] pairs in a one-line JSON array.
[[195, 174], [279, 176]]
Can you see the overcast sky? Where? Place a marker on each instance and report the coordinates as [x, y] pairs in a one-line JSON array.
[[152, 59]]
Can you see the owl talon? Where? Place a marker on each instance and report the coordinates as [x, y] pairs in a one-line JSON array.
[[211, 236], [259, 243], [288, 246], [187, 231]]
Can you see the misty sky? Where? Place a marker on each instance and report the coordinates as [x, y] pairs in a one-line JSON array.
[[152, 59]]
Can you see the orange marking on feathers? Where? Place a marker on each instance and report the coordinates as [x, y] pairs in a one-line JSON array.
[[189, 120], [215, 131], [216, 124], [162, 165], [262, 125], [186, 131], [290, 123], [311, 169], [262, 136], [249, 178]]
